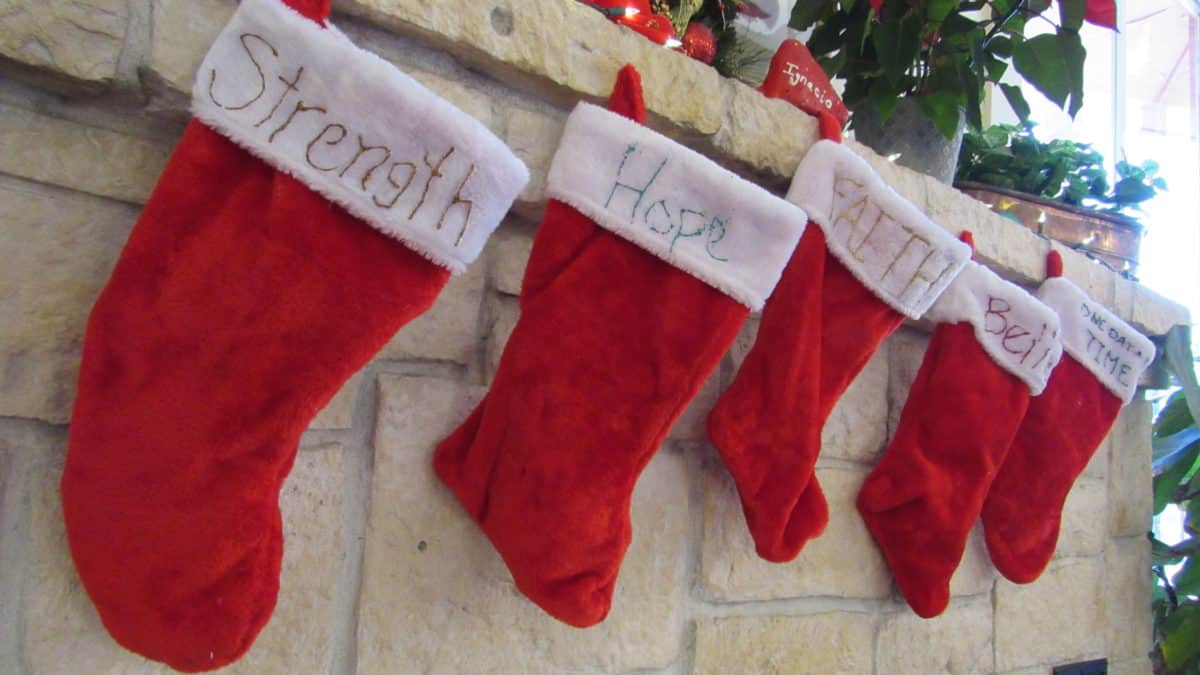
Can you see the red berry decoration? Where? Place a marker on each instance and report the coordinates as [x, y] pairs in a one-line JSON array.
[[700, 43]]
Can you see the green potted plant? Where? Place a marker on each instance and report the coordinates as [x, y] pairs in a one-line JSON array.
[[1060, 189], [919, 67], [1176, 566]]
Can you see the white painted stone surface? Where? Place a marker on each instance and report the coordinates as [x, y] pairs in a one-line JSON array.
[[436, 597]]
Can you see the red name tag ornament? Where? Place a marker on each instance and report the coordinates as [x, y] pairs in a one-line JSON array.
[[796, 77]]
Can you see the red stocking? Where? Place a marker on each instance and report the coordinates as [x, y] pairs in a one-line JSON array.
[[279, 251], [1105, 359], [872, 260], [994, 345], [648, 261]]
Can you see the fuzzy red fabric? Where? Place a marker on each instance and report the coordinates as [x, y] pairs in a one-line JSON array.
[[611, 345], [240, 304], [922, 498], [818, 331], [1057, 439]]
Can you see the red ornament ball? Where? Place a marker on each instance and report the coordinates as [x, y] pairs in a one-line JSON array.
[[700, 43]]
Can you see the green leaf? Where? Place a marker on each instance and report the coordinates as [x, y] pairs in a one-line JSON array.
[[897, 45], [826, 38], [1182, 643], [937, 10], [1177, 349], [943, 110], [1166, 483], [1053, 64], [957, 24], [1174, 417], [1162, 555], [885, 103], [1132, 191], [1001, 46], [1017, 100], [1039, 6], [1071, 13], [808, 12], [1187, 580], [972, 89]]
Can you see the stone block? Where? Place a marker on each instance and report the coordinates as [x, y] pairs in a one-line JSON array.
[[1093, 278], [449, 331], [1059, 618], [1124, 297], [956, 643], [818, 644], [180, 35], [76, 42], [1140, 666], [87, 159], [437, 598], [906, 350], [505, 313], [843, 562], [858, 425], [1008, 249], [1155, 314], [975, 573], [856, 429], [339, 412], [1130, 483], [534, 137], [62, 630], [1097, 466], [1083, 530], [769, 135], [59, 248], [1129, 582], [565, 45], [909, 184], [742, 345], [510, 255], [691, 423], [442, 76]]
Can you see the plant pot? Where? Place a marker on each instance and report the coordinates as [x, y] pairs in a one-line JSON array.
[[911, 135], [1112, 238]]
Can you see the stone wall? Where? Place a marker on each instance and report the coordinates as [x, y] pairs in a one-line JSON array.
[[383, 572]]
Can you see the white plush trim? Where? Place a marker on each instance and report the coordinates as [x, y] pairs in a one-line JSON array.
[[1020, 333], [885, 241], [1098, 339], [358, 131], [675, 203]]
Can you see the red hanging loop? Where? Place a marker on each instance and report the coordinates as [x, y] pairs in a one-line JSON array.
[[1054, 264], [831, 129], [317, 10], [627, 98], [969, 239]]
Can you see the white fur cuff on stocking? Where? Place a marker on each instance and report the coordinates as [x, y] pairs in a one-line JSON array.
[[675, 203], [887, 243], [1100, 341], [1019, 332], [358, 131]]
